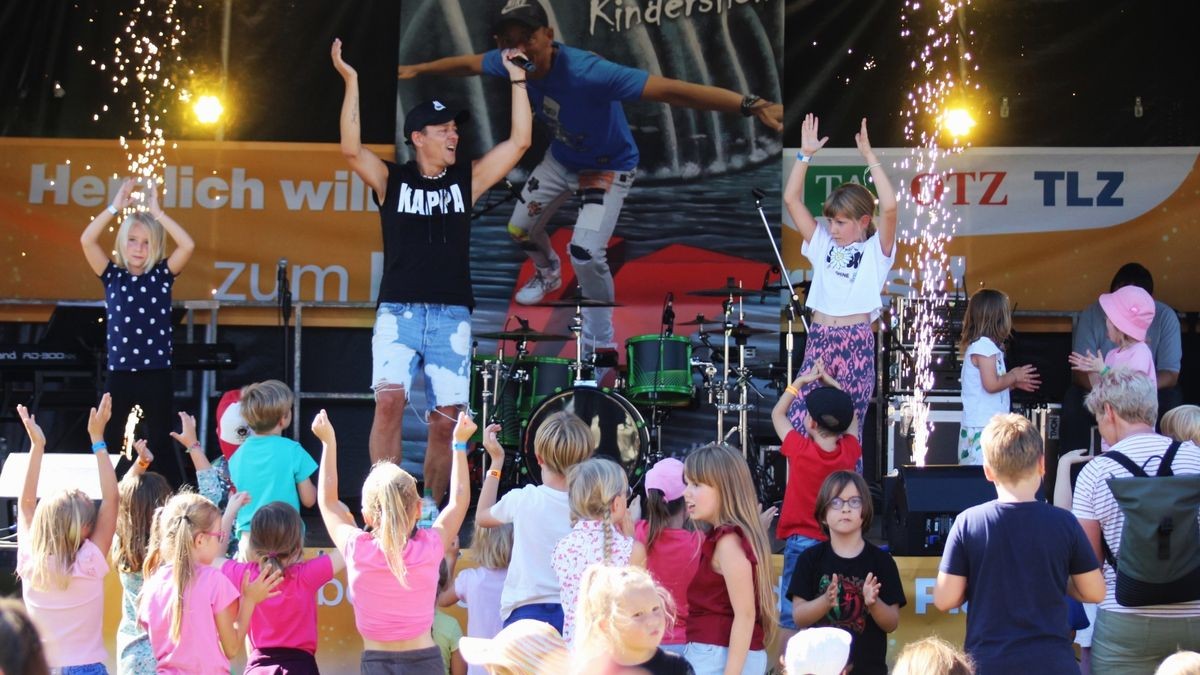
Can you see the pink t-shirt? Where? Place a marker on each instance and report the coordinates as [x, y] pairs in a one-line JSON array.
[[479, 588], [290, 618], [70, 620], [388, 610], [1136, 357], [198, 651], [672, 562]]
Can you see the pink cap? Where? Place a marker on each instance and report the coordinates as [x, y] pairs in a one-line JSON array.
[[1130, 309], [667, 476]]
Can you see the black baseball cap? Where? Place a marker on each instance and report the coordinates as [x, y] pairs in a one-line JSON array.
[[431, 112], [526, 12], [830, 407]]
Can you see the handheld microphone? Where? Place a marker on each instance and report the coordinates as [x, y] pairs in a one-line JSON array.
[[668, 317], [281, 274], [524, 322], [758, 194], [522, 62]]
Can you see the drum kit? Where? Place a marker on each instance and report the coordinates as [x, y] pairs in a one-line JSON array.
[[519, 390]]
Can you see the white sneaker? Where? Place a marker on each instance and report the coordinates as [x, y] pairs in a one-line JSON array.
[[537, 287]]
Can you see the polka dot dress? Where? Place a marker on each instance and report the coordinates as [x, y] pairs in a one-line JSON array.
[[139, 317]]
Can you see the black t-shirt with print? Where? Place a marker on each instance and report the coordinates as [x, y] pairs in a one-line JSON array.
[[811, 578]]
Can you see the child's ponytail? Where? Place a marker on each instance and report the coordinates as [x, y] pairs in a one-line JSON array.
[[276, 540], [184, 517], [592, 486], [390, 499]]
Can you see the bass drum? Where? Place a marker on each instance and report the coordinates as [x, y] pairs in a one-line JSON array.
[[618, 430]]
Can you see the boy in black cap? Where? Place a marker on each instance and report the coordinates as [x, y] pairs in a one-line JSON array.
[[578, 95], [425, 297], [824, 448]]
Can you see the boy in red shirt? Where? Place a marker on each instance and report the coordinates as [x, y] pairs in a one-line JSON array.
[[823, 448]]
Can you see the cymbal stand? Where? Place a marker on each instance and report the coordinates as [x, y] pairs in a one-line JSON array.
[[793, 299], [723, 392], [577, 331]]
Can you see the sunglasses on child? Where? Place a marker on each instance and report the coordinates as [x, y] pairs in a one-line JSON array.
[[854, 503], [221, 536]]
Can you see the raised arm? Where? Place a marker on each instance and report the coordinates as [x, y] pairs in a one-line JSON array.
[[106, 516], [491, 480], [704, 97], [793, 192], [883, 187], [450, 520], [450, 66], [28, 502], [93, 250], [365, 163], [498, 161], [184, 246], [338, 519]]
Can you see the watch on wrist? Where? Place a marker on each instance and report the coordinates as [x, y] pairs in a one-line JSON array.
[[748, 102]]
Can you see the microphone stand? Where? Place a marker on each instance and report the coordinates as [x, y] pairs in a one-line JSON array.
[[284, 293], [794, 300]]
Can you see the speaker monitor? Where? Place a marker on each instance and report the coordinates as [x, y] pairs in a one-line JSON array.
[[923, 501]]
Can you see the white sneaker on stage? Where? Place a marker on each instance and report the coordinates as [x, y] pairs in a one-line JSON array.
[[536, 288]]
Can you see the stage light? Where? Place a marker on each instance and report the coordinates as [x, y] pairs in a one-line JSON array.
[[957, 122], [208, 109]]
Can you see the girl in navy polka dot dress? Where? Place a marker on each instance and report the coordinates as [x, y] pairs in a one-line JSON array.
[[137, 299]]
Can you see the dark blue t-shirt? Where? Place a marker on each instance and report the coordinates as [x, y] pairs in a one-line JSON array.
[[580, 100], [139, 317], [1017, 557]]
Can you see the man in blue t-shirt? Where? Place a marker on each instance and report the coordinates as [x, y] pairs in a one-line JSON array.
[[578, 94]]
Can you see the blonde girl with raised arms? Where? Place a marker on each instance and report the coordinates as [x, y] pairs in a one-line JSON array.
[[392, 570], [598, 492], [732, 613], [61, 542]]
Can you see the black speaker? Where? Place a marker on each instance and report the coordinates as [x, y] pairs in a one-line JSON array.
[[922, 502]]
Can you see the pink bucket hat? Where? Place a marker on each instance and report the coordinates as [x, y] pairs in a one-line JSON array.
[[666, 475], [1130, 309]]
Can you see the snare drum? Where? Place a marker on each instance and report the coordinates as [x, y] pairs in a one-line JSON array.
[[618, 430], [660, 370]]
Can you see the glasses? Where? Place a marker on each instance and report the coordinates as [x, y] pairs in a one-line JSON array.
[[221, 536], [839, 503]]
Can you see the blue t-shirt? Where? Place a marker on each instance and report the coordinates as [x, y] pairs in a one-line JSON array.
[[1017, 557], [139, 317], [580, 100], [268, 467]]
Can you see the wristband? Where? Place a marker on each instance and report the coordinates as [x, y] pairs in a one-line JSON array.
[[99, 446], [460, 446], [1104, 371], [494, 473], [793, 391], [112, 209], [800, 156], [872, 166], [195, 446], [142, 463]]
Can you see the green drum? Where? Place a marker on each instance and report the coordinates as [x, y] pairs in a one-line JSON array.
[[547, 376], [660, 370], [532, 380]]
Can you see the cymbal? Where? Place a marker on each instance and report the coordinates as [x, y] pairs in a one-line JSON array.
[[740, 331], [525, 334], [699, 321], [728, 291], [578, 301]]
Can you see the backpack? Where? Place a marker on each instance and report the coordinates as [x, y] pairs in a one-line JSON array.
[[1160, 538]]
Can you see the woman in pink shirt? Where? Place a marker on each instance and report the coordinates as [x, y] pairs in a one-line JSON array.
[[392, 571], [60, 554], [283, 629], [188, 607]]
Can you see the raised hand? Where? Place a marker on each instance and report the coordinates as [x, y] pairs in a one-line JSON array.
[[1087, 362], [870, 590], [810, 140], [98, 417], [831, 592], [864, 143], [36, 437], [187, 431], [237, 500], [124, 198], [465, 428], [143, 451], [515, 72], [492, 445], [322, 428], [344, 69], [150, 196]]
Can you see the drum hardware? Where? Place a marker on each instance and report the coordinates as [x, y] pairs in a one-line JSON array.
[[794, 307], [526, 334], [578, 301], [731, 288], [619, 431]]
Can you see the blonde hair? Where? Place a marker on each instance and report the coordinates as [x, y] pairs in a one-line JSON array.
[[591, 488], [851, 200], [276, 539], [154, 229], [562, 441], [601, 618], [265, 403], [492, 546], [389, 501], [1181, 662], [1012, 447], [932, 656], [1182, 423], [57, 532], [173, 543], [140, 496], [723, 468], [987, 316]]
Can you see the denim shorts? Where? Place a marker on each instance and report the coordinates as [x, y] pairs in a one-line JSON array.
[[796, 544], [435, 338], [708, 659]]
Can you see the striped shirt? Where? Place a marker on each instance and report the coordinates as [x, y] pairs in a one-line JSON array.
[[1094, 501]]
